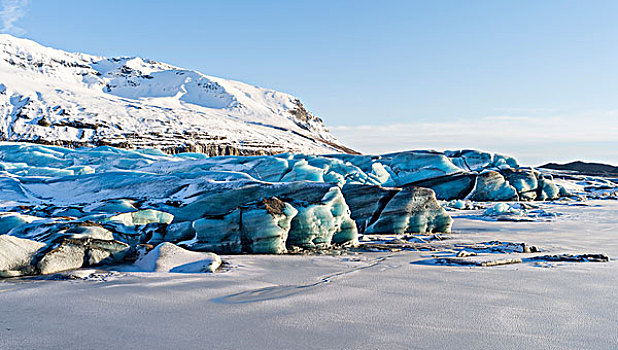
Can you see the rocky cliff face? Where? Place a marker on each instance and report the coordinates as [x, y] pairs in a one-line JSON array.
[[54, 97]]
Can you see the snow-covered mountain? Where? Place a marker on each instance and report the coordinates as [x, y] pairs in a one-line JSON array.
[[55, 97]]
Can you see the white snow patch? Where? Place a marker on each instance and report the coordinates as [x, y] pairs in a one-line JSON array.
[[168, 257]]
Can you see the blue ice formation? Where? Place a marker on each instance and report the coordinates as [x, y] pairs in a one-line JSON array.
[[258, 204]]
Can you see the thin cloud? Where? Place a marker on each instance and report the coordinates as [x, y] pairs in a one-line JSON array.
[[11, 12], [508, 118], [532, 139]]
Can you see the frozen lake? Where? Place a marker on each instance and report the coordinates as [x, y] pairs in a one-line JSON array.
[[369, 300]]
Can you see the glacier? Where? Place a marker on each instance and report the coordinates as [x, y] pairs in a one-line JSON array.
[[91, 206]]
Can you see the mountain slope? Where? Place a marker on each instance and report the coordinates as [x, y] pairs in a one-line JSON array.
[[584, 168], [55, 97]]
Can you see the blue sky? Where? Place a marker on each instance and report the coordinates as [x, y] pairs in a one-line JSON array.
[[535, 79]]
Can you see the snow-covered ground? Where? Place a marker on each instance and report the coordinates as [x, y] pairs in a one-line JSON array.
[[355, 300]]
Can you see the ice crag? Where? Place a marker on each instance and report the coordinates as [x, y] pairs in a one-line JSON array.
[[97, 205]]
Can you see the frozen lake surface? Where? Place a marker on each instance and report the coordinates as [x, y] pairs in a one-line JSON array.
[[356, 300]]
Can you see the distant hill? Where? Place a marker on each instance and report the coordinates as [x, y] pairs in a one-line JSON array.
[[584, 168]]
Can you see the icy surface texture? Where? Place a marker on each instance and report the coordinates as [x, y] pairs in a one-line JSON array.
[[319, 224], [378, 209], [9, 221], [260, 204], [477, 160], [452, 175], [412, 210], [525, 182], [492, 186]]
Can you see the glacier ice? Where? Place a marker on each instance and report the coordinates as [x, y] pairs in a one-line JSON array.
[[492, 186], [319, 224], [266, 226], [141, 217], [518, 212], [258, 204], [412, 210], [9, 221], [504, 209], [547, 189], [17, 255], [54, 229], [218, 234], [63, 258], [75, 253], [377, 209], [314, 215], [460, 204], [526, 182]]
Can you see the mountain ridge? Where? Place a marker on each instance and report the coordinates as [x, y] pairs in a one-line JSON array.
[[584, 168], [51, 96]]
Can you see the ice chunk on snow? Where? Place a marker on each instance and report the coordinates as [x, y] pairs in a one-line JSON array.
[[74, 253], [167, 257], [17, 255], [504, 209], [63, 258], [461, 204]]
